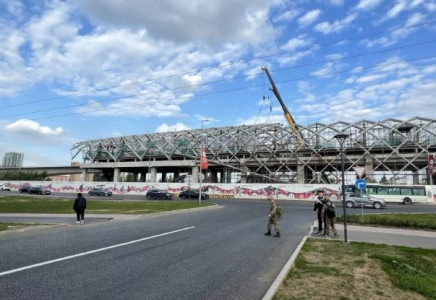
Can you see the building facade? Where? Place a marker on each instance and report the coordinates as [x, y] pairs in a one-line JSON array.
[[13, 160]]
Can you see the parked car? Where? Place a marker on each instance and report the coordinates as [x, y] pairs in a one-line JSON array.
[[99, 192], [356, 200], [5, 187], [24, 188], [190, 194], [159, 194], [38, 190]]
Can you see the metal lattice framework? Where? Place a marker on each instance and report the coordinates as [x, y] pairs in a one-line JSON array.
[[270, 153]]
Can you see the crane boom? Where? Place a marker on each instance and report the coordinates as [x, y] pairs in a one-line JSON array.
[[286, 112]]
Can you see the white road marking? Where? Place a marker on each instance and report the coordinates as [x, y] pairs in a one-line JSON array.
[[91, 252]]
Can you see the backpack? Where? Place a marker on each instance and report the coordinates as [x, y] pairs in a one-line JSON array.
[[331, 212], [278, 211]]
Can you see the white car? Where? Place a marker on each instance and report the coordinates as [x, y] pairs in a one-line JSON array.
[[5, 187]]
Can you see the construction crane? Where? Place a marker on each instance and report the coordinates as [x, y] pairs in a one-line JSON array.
[[286, 112]]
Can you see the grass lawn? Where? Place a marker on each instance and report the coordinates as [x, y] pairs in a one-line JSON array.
[[61, 206], [334, 270], [411, 221]]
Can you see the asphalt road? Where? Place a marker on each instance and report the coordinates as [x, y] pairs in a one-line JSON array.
[[224, 256]]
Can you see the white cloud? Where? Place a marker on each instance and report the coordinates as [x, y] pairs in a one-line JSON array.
[[336, 26], [396, 9], [180, 21], [430, 6], [309, 17], [414, 19], [295, 43], [367, 4], [176, 127], [286, 16], [29, 127], [369, 78], [337, 2], [325, 71]]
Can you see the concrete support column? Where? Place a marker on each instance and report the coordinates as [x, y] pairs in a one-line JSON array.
[[164, 176], [143, 176], [116, 174], [300, 173], [415, 177], [369, 169], [214, 176], [84, 174], [194, 175], [153, 174]]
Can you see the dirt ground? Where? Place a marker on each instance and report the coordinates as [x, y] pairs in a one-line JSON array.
[[332, 270]]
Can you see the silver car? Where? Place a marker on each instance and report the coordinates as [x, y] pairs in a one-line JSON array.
[[357, 200]]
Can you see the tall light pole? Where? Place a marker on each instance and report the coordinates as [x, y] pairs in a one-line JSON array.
[[201, 172], [341, 139]]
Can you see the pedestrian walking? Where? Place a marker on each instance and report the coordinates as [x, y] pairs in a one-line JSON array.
[[317, 208], [272, 218], [330, 213], [79, 207]]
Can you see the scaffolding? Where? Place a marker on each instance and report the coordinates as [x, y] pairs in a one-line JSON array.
[[271, 153]]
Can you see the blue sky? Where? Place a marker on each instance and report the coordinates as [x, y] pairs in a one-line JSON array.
[[72, 71]]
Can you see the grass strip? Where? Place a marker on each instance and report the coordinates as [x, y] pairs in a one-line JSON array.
[[411, 221], [7, 226], [63, 206], [335, 270]]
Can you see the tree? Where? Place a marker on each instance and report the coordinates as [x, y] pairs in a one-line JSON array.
[[383, 179], [99, 177], [169, 178], [130, 177]]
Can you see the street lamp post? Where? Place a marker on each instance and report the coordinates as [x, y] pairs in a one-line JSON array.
[[201, 171], [341, 139]]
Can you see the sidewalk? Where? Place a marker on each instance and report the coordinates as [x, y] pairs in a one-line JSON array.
[[389, 236]]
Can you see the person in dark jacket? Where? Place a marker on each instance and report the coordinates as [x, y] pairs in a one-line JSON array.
[[319, 203], [79, 207]]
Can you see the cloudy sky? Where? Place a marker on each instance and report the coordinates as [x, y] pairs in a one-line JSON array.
[[72, 71]]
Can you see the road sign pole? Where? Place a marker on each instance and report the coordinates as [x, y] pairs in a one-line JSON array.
[[199, 191]]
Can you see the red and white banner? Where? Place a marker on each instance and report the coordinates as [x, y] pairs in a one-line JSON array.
[[203, 159], [430, 164]]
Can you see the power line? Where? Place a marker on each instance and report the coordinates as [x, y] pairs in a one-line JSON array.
[[224, 80], [231, 90], [225, 65]]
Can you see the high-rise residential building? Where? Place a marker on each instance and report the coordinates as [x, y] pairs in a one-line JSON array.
[[13, 160]]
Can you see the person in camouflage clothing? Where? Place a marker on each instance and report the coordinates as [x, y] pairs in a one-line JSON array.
[[273, 220], [329, 211]]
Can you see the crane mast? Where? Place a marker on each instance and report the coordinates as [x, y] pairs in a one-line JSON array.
[[286, 112]]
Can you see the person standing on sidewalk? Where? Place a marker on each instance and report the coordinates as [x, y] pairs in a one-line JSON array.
[[273, 220], [330, 214], [319, 203], [79, 207]]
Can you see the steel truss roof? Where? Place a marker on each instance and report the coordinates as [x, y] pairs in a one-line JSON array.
[[270, 151]]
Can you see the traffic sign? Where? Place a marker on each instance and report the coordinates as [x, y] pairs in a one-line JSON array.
[[360, 184], [201, 176], [360, 170]]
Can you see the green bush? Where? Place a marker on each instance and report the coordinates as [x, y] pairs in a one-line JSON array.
[[412, 221]]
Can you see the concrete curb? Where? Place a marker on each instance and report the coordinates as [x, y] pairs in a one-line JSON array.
[[276, 284]]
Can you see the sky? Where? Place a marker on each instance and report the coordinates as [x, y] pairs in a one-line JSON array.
[[72, 71]]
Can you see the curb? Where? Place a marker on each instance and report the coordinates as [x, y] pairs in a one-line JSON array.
[[276, 284]]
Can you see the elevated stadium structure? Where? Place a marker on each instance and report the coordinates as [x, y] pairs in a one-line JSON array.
[[269, 152]]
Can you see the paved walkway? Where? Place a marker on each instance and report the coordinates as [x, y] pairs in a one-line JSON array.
[[389, 236]]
